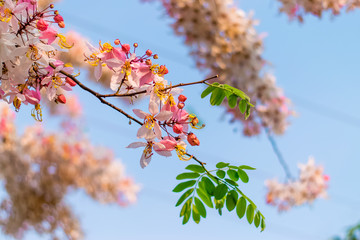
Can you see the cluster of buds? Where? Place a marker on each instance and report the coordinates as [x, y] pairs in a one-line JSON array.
[[28, 49], [38, 171], [312, 184], [298, 8]]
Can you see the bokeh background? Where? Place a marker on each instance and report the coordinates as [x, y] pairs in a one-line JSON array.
[[317, 63]]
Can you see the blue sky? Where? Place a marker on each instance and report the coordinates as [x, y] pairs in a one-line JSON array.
[[316, 63]]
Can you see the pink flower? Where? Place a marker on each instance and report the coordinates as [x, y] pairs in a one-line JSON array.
[[50, 34], [42, 25], [147, 153], [151, 129]]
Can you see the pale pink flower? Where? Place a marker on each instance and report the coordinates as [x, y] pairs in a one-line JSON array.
[[151, 129]]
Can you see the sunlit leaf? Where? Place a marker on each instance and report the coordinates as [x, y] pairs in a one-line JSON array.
[[195, 168], [184, 196], [188, 175], [205, 198], [200, 207], [220, 191], [250, 213], [243, 176], [184, 185], [241, 207]]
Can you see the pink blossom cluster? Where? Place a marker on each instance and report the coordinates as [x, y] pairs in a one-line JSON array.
[[296, 9], [312, 184], [223, 41], [39, 169], [28, 45], [166, 126]]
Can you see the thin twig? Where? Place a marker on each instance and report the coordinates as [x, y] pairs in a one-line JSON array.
[[278, 154], [97, 95], [144, 91]]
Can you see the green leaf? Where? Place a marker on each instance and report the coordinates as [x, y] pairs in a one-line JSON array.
[[250, 213], [187, 175], [220, 173], [217, 96], [247, 113], [184, 196], [257, 219], [185, 207], [222, 165], [183, 185], [241, 207], [262, 225], [215, 179], [230, 202], [243, 176], [232, 100], [233, 175], [246, 167], [219, 204], [200, 207], [186, 216], [242, 105], [220, 191], [195, 168], [195, 214], [207, 91], [206, 198], [231, 182], [209, 185]]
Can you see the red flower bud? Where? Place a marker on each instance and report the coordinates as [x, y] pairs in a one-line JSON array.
[[163, 70], [125, 48], [117, 42], [194, 121], [181, 105], [58, 18], [42, 25], [193, 140], [61, 25], [182, 98], [178, 128], [61, 99], [148, 62], [70, 81], [148, 52]]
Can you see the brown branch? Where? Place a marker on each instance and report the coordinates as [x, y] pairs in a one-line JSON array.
[[144, 91], [97, 95]]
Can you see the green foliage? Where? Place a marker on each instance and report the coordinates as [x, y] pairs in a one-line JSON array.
[[217, 190], [235, 96], [352, 233]]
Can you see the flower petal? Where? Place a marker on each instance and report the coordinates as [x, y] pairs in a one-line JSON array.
[[164, 115]]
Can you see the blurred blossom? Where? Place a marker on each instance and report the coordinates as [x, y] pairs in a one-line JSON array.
[[312, 184], [39, 169], [223, 41]]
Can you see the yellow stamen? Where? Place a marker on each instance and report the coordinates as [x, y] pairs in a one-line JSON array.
[[7, 15], [149, 122], [148, 150], [181, 153], [159, 90], [57, 81], [62, 42], [93, 60], [170, 100], [106, 47], [33, 53], [126, 68], [192, 125], [36, 113]]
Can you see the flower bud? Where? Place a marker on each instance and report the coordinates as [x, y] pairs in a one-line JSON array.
[[181, 105], [148, 52], [33, 2], [51, 6], [148, 62], [61, 25], [70, 81], [194, 121], [117, 42], [178, 128], [163, 70], [155, 56], [42, 25], [58, 18], [193, 140], [125, 48], [61, 99], [326, 178], [182, 98], [135, 45]]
